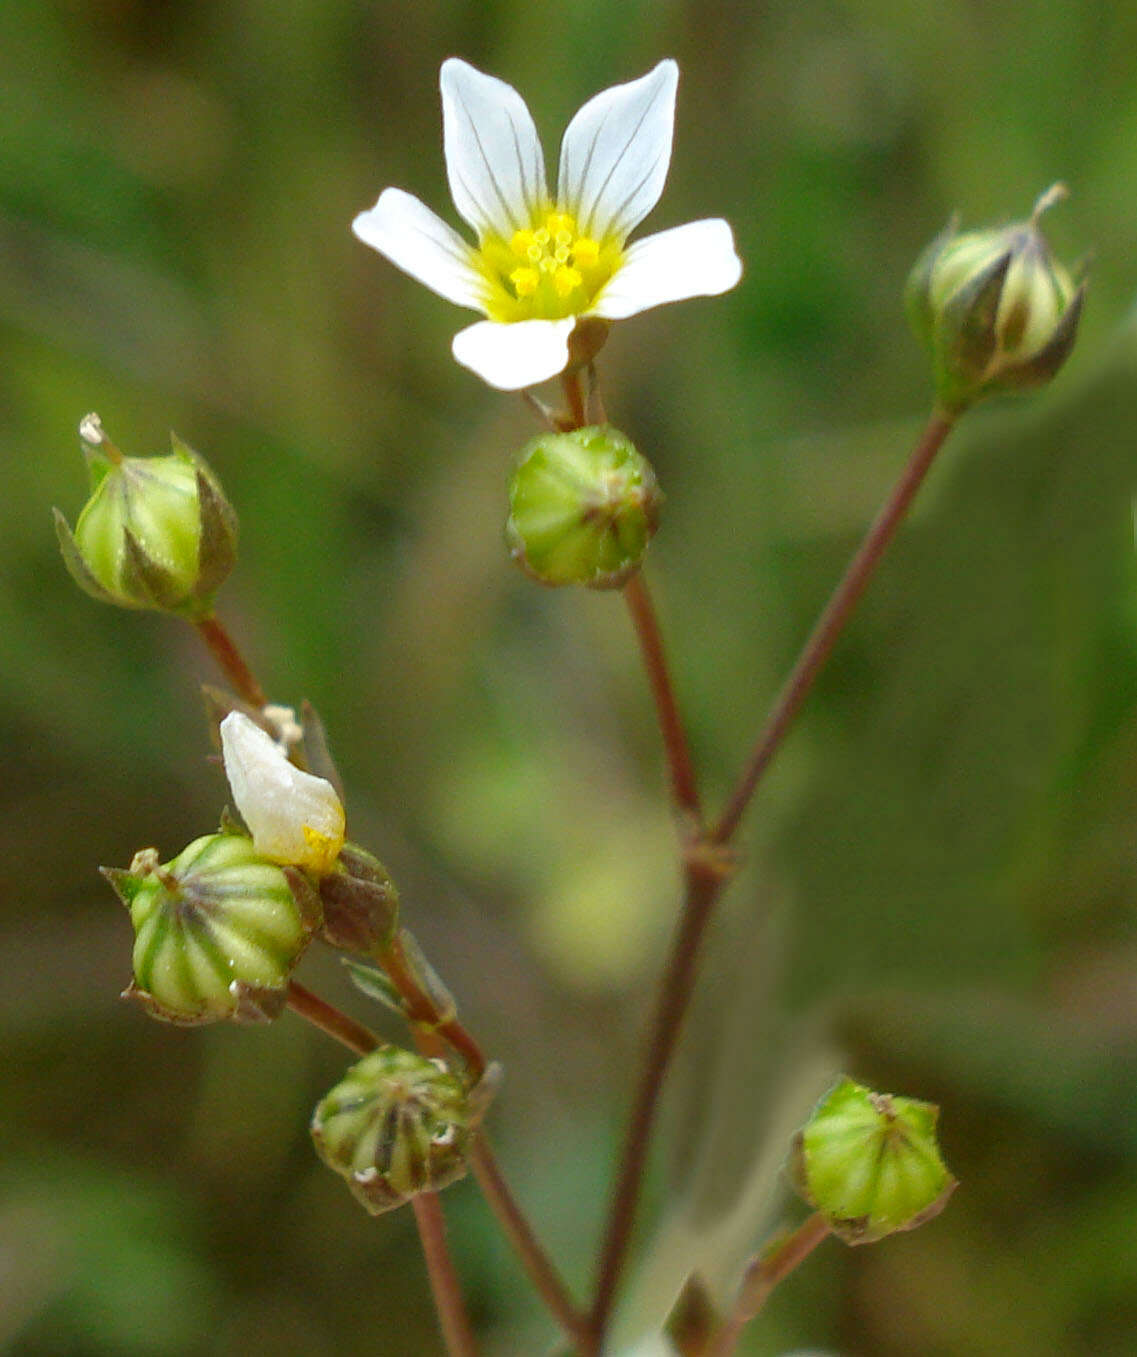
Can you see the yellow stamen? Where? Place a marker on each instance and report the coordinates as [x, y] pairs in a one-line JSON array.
[[558, 222], [561, 254], [565, 280], [521, 242], [585, 252], [525, 281]]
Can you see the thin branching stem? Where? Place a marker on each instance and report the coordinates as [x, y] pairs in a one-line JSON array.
[[762, 1276], [832, 622], [538, 1266], [684, 790], [444, 1283], [230, 660], [331, 1020], [708, 865]]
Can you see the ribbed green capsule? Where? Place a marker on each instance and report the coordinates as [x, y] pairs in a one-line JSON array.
[[156, 532], [583, 507], [217, 930], [870, 1162], [396, 1125], [994, 308]]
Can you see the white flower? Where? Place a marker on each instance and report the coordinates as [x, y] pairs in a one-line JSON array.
[[294, 817], [542, 261]]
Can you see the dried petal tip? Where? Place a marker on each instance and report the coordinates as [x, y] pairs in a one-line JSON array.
[[156, 532], [995, 309], [294, 817], [870, 1163], [396, 1125], [217, 931], [582, 508]]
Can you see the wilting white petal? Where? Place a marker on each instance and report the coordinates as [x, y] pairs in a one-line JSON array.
[[421, 244], [293, 816], [512, 356], [696, 260], [616, 151], [493, 158]]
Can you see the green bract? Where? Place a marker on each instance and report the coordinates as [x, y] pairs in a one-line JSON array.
[[397, 1124], [870, 1163], [157, 532], [994, 308], [217, 931], [582, 508]]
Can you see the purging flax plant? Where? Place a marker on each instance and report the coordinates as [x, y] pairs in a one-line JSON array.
[[220, 927]]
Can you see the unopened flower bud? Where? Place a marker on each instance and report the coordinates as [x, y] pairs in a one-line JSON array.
[[396, 1125], [294, 817], [994, 308], [217, 931], [157, 532], [870, 1163], [582, 508]]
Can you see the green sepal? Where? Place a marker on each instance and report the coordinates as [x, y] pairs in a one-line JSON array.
[[217, 548], [145, 579], [373, 982], [967, 333], [73, 560], [125, 885], [1045, 364], [428, 978], [918, 289]]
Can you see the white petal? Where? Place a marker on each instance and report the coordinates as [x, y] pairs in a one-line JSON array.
[[493, 158], [696, 260], [616, 152], [513, 356], [293, 816], [421, 244]]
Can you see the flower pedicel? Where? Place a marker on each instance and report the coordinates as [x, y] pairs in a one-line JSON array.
[[545, 262]]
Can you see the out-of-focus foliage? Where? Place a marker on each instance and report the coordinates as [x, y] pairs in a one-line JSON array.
[[948, 843]]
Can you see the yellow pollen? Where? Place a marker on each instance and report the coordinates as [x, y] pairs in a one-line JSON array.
[[545, 271], [525, 281], [565, 280]]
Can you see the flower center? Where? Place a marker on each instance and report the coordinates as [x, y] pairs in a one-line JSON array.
[[546, 271]]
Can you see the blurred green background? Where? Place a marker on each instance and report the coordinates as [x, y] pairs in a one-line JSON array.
[[941, 871]]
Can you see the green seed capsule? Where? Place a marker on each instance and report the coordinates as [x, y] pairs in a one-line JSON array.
[[995, 309], [217, 931], [583, 507], [870, 1163], [397, 1124], [156, 532]]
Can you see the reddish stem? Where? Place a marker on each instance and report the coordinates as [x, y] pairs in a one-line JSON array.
[[707, 874], [538, 1266], [231, 661], [832, 621], [763, 1275], [328, 1019], [681, 769], [444, 1283]]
